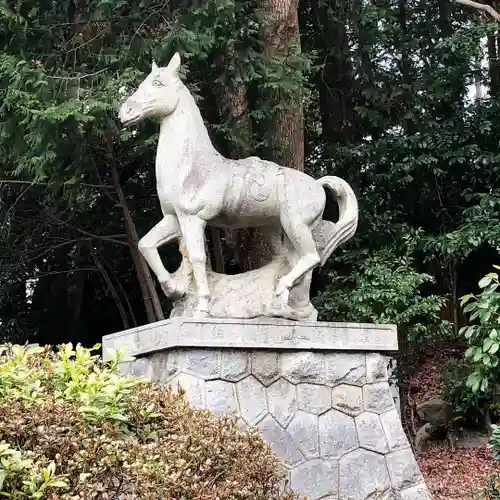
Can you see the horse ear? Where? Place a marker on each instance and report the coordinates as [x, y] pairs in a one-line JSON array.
[[175, 63], [154, 66]]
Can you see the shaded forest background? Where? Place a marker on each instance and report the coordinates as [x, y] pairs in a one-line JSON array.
[[398, 97]]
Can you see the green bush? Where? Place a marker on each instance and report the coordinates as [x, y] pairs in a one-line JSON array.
[[495, 441], [483, 334], [71, 427], [466, 405], [492, 489]]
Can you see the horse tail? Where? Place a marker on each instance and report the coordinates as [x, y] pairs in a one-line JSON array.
[[330, 235]]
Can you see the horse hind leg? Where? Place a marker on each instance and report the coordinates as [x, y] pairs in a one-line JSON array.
[[300, 300], [300, 235]]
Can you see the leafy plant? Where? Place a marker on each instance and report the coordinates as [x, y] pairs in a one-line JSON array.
[[483, 336], [384, 288], [495, 441], [72, 427], [466, 405], [492, 488]]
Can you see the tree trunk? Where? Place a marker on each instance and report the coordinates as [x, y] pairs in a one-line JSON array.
[[152, 304], [110, 286], [248, 245], [334, 81], [76, 288], [406, 76], [281, 47]]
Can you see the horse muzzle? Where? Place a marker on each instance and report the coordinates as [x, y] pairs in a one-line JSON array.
[[130, 113]]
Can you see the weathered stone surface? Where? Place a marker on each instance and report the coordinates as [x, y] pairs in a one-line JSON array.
[[255, 334], [316, 478], [280, 441], [362, 473], [391, 494], [344, 368], [235, 365], [314, 399], [159, 367], [396, 437], [337, 434], [252, 399], [221, 397], [194, 388], [163, 366], [376, 368], [282, 401], [435, 411], [370, 433], [377, 397], [348, 399], [203, 363], [419, 492], [265, 366], [423, 437], [403, 469], [303, 429], [313, 393], [139, 368], [300, 367]]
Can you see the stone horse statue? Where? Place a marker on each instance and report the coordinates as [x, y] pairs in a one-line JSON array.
[[197, 187]]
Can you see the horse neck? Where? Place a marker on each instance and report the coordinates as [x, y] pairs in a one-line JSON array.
[[183, 127]]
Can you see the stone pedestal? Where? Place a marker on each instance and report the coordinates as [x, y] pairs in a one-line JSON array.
[[319, 393]]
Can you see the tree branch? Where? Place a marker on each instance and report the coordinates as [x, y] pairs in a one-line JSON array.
[[481, 6], [31, 183], [87, 233]]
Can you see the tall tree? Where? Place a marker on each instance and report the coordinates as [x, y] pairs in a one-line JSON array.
[[280, 37]]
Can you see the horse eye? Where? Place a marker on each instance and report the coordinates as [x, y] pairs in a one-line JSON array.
[[157, 83]]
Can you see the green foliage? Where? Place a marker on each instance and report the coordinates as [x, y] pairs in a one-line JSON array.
[[422, 158], [384, 287], [465, 403], [495, 441], [72, 426], [483, 335], [492, 488]]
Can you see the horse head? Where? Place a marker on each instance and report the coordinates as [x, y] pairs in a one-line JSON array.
[[157, 96]]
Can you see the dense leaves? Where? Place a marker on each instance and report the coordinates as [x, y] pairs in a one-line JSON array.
[[401, 127], [71, 426]]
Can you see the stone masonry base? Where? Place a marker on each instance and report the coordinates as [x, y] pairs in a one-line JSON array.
[[318, 392]]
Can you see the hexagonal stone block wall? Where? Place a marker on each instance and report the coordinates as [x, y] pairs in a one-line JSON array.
[[328, 413]]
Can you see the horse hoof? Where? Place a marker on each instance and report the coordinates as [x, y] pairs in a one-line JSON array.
[[200, 314], [282, 288], [173, 290], [282, 297]]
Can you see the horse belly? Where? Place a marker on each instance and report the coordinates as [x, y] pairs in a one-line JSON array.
[[253, 193], [240, 221]]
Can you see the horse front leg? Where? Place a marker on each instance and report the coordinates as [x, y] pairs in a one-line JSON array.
[[193, 231], [165, 231]]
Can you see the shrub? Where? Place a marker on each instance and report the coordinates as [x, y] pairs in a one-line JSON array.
[[71, 427], [492, 489], [467, 406], [484, 335], [495, 441]]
